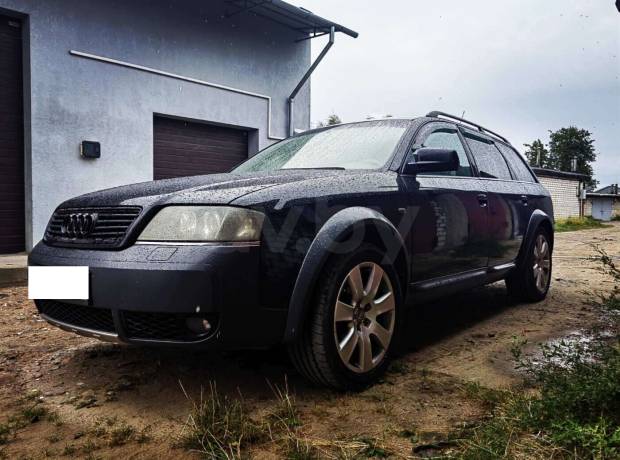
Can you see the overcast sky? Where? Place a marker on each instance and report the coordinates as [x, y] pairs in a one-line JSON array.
[[520, 67]]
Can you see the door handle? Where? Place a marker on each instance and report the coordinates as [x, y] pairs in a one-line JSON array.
[[524, 200], [483, 199]]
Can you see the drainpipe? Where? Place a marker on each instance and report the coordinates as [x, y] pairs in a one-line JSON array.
[[304, 79]]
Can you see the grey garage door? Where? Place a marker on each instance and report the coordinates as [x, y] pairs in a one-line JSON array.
[[183, 148], [12, 231], [602, 208]]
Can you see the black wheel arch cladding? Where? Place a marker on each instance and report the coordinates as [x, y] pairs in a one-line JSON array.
[[341, 233]]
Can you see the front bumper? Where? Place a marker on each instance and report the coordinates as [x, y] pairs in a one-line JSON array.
[[155, 294]]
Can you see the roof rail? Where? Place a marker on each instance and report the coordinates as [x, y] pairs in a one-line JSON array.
[[482, 129]]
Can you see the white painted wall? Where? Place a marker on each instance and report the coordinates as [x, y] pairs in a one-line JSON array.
[[70, 99], [564, 194]]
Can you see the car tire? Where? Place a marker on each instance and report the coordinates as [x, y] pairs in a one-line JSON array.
[[531, 280], [348, 337]]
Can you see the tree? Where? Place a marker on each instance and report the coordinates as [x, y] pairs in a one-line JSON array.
[[568, 145], [538, 155], [333, 119]]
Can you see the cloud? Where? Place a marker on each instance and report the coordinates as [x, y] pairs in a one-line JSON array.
[[520, 67]]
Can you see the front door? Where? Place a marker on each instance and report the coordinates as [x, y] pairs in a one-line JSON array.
[[450, 224]]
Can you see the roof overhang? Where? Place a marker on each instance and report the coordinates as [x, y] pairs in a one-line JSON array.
[[602, 195], [544, 172], [308, 24]]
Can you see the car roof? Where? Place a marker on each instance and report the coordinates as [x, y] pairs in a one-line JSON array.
[[431, 116]]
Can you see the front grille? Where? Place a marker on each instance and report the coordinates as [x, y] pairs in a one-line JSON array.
[[161, 326], [96, 319], [108, 231]]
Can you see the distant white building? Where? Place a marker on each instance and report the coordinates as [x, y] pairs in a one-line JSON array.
[[603, 204], [566, 189]]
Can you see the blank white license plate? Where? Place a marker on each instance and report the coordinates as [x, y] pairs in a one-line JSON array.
[[62, 283]]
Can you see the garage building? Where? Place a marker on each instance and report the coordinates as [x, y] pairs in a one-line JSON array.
[[604, 203], [566, 189], [149, 89]]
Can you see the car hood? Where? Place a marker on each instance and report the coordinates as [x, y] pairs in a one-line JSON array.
[[209, 189]]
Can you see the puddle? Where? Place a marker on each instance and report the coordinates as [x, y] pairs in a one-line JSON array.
[[562, 351]]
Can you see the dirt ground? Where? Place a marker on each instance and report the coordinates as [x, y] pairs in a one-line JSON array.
[[111, 401]]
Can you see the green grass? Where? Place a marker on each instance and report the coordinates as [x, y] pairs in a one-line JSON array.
[[121, 434], [373, 449], [219, 427], [574, 410], [29, 412], [285, 416], [611, 301], [575, 414], [572, 224]]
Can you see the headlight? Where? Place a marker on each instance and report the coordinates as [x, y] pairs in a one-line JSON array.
[[204, 223]]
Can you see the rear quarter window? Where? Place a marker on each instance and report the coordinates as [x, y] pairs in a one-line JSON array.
[[517, 163]]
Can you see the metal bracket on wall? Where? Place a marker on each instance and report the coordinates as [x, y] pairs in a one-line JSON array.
[[183, 78], [304, 79]]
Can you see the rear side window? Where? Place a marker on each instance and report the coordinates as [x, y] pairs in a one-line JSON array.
[[490, 162], [517, 164]]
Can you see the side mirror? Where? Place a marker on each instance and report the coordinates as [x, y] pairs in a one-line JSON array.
[[432, 160]]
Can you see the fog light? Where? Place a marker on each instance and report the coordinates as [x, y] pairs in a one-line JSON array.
[[198, 326]]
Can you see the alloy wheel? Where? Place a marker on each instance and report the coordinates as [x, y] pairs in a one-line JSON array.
[[364, 317], [542, 263]]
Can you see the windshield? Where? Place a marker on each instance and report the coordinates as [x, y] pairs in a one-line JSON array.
[[355, 146]]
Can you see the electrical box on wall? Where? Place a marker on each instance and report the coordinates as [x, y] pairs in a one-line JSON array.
[[90, 149]]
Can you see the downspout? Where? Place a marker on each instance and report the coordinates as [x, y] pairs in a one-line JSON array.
[[304, 79]]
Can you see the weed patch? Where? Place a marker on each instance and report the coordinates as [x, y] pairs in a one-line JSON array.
[[398, 367], [219, 427], [575, 412], [31, 411], [373, 449], [114, 432], [285, 417], [572, 224], [609, 302], [69, 450], [121, 434]]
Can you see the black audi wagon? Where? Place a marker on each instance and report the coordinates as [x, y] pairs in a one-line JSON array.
[[322, 242]]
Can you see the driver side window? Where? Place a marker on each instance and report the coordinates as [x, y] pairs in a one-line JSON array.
[[445, 138]]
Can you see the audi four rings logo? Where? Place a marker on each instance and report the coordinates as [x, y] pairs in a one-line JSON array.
[[79, 225]]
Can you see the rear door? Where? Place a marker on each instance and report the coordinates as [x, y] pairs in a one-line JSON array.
[[450, 225], [507, 199], [534, 193]]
